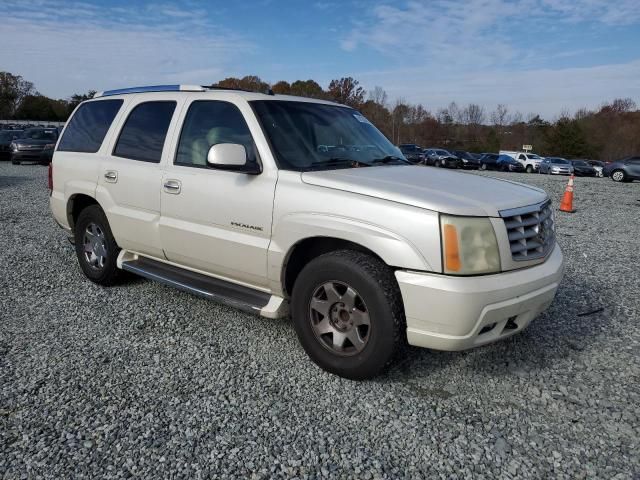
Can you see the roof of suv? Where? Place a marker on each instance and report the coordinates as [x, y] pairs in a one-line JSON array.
[[191, 89]]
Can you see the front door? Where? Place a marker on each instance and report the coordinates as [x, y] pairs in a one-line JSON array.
[[214, 220]]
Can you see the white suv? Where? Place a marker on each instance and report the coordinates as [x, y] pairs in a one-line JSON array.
[[280, 204]]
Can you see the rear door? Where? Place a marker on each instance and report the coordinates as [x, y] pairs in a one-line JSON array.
[[130, 177], [217, 221], [633, 166]]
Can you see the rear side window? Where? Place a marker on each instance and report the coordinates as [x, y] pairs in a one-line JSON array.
[[88, 126], [143, 135]]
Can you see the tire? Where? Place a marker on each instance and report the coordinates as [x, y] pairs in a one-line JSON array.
[[99, 263], [618, 176], [483, 166], [436, 163], [324, 285], [15, 162], [529, 169]]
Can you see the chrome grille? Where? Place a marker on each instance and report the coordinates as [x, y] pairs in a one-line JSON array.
[[531, 230]]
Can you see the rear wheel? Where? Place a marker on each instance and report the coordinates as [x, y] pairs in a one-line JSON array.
[[483, 166], [618, 176], [436, 163], [15, 162], [347, 312], [529, 169], [96, 248]]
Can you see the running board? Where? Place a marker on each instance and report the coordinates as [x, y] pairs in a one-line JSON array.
[[221, 291]]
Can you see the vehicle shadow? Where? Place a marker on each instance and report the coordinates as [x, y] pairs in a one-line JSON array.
[[11, 181]]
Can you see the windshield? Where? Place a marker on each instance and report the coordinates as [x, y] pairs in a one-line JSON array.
[[442, 152], [5, 136], [533, 156], [580, 163], [560, 161], [37, 134], [311, 136], [410, 148]]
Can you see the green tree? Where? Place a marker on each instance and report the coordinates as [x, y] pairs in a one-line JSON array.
[[281, 88], [13, 90], [567, 139], [252, 83], [39, 107], [347, 91], [307, 88]]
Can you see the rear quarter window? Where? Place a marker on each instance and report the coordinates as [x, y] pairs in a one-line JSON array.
[[89, 125]]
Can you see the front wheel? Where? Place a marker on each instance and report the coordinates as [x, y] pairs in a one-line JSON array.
[[347, 312], [15, 162], [529, 169], [436, 163], [96, 248], [483, 166], [618, 176]]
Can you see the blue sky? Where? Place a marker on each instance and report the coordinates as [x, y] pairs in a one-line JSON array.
[[536, 56]]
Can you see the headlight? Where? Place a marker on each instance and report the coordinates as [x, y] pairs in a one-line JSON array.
[[469, 245]]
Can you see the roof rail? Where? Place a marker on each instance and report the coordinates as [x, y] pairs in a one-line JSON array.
[[151, 88]]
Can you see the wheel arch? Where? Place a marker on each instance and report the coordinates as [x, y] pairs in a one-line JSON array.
[[76, 204]]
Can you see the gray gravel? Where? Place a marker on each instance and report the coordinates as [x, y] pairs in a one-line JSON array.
[[141, 380]]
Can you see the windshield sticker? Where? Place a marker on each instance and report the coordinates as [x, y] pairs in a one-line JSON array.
[[360, 118]]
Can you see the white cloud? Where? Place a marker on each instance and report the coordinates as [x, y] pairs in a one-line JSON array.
[[543, 91], [73, 47]]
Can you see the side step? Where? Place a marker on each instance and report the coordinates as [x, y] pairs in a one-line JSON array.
[[227, 293]]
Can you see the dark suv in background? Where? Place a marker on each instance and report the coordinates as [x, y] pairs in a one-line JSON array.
[[625, 170], [6, 137], [36, 145], [412, 152]]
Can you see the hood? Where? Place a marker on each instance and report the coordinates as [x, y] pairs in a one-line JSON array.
[[434, 189], [32, 141]]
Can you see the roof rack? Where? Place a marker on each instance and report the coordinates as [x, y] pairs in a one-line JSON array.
[[151, 88], [172, 88]]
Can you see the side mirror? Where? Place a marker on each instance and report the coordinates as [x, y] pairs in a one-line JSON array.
[[231, 156]]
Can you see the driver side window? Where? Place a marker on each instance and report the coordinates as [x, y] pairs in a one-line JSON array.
[[208, 123]]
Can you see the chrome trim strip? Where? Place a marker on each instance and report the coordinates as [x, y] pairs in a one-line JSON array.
[[512, 212]]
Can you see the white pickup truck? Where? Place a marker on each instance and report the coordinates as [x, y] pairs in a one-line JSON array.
[[284, 205], [530, 161]]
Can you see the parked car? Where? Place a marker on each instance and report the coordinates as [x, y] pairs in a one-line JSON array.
[[505, 163], [556, 166], [468, 160], [582, 169], [488, 161], [365, 251], [6, 137], [530, 161], [439, 157], [35, 145], [625, 170], [412, 152], [598, 165]]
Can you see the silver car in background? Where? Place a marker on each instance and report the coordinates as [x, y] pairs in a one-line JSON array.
[[556, 166]]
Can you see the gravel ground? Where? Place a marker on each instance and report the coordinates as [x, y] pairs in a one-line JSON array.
[[142, 380]]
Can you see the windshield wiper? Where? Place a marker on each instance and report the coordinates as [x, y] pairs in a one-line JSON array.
[[337, 162], [389, 159]]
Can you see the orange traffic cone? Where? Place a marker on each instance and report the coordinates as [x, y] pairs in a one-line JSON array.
[[567, 199]]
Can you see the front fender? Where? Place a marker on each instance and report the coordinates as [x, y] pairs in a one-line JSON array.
[[392, 248]]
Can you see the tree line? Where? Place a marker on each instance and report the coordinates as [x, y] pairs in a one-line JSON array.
[[609, 132]]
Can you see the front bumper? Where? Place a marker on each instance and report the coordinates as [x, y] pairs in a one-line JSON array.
[[455, 313], [32, 155]]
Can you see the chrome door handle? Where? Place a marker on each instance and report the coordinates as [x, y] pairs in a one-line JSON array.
[[111, 176], [172, 186]]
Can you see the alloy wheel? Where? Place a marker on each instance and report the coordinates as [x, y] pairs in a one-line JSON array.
[[617, 176], [339, 318], [94, 246]]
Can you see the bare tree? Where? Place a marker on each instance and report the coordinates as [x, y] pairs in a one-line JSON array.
[[13, 90], [379, 96], [500, 116], [473, 114]]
